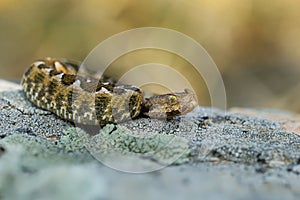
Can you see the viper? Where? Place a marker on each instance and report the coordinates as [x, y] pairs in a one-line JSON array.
[[57, 86]]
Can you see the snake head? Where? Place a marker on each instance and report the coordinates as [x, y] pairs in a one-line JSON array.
[[170, 105]]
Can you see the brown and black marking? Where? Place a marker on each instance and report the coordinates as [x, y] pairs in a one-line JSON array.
[[55, 85]]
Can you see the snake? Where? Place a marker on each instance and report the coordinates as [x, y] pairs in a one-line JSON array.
[[57, 86]]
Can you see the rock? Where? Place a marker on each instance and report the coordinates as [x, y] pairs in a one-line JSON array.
[[208, 153], [289, 121], [296, 169], [8, 86]]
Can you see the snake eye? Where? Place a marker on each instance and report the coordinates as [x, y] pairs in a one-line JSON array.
[[172, 99]]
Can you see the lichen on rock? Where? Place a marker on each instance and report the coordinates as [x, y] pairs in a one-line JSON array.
[[165, 149]]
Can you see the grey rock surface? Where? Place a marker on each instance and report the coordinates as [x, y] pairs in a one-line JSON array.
[[207, 154]]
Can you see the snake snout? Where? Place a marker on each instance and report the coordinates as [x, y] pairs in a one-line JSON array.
[[170, 105]]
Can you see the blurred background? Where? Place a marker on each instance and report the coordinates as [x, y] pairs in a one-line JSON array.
[[254, 43]]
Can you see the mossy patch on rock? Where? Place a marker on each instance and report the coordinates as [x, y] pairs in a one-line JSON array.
[[38, 150], [165, 149], [75, 145]]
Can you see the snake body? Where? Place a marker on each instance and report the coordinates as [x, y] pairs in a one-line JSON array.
[[56, 85]]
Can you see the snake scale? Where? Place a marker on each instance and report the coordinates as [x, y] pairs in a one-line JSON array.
[[55, 85]]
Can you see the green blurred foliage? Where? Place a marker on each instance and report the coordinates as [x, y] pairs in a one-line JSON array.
[[254, 43]]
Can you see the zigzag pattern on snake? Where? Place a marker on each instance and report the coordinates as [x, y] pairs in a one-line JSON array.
[[55, 85]]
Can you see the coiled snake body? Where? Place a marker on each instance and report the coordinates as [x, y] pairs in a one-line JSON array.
[[54, 85]]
